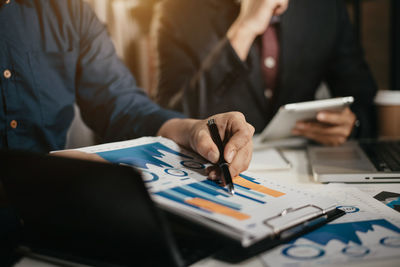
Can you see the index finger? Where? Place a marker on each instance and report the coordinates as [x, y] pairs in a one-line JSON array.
[[335, 117], [239, 139]]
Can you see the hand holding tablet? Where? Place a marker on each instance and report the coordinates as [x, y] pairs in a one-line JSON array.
[[301, 119]]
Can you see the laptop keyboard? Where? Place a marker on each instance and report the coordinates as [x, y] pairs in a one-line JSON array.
[[385, 155]]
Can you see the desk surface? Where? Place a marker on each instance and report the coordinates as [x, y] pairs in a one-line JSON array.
[[299, 174]]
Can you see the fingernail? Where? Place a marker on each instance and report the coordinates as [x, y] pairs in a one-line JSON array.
[[230, 156], [321, 116], [300, 125], [213, 156], [212, 175]]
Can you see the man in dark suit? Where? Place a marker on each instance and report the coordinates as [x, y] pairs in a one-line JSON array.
[[255, 55]]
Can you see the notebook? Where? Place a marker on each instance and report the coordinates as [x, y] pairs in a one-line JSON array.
[[261, 209], [357, 161], [91, 213]]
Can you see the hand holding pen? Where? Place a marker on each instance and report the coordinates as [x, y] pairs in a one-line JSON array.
[[233, 129], [222, 164], [234, 152]]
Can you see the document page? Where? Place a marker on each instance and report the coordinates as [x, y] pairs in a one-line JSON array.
[[369, 232], [388, 194], [268, 159], [177, 180]]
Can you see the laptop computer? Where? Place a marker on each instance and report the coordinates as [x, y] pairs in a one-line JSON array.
[[90, 213], [357, 162]]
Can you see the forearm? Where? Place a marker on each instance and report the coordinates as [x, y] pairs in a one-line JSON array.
[[122, 112], [196, 89], [201, 79], [253, 20], [221, 69]]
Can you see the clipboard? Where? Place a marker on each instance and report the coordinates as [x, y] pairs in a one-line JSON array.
[[261, 214], [232, 251], [286, 232]]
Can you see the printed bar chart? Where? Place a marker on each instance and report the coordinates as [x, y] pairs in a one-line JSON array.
[[208, 205], [177, 179], [209, 197], [249, 183], [205, 195], [142, 155]]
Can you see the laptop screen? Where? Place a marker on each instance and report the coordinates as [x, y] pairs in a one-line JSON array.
[[84, 211]]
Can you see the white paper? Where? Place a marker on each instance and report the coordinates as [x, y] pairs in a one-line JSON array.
[[388, 194], [268, 159], [290, 142], [176, 179], [368, 232]]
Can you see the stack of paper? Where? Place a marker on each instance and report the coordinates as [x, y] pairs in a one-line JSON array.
[[177, 180]]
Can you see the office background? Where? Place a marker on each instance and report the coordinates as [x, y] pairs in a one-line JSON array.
[[376, 24]]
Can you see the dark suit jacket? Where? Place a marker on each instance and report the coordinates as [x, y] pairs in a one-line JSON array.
[[200, 74]]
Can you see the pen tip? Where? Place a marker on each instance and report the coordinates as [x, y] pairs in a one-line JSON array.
[[231, 189]]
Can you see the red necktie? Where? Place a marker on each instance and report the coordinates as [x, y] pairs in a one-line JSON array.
[[270, 58]]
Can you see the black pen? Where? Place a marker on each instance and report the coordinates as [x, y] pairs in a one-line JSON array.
[[212, 127]]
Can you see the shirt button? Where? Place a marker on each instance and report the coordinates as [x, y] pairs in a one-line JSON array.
[[7, 74], [268, 93], [13, 124], [269, 62]]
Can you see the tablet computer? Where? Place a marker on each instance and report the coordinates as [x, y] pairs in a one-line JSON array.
[[285, 119]]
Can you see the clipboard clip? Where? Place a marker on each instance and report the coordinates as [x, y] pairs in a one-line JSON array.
[[290, 221]]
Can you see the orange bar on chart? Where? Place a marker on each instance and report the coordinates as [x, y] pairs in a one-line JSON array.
[[257, 187], [217, 208]]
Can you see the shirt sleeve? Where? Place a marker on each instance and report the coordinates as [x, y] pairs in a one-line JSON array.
[[192, 74], [107, 94], [349, 74]]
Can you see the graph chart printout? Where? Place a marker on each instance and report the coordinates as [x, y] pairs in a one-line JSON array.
[[368, 232], [176, 178]]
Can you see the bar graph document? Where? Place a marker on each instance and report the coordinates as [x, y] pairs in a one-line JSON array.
[[176, 179], [369, 233]]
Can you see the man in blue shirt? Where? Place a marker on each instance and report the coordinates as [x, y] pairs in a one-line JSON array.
[[56, 53]]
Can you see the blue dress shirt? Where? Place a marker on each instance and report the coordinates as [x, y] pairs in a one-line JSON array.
[[54, 53]]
